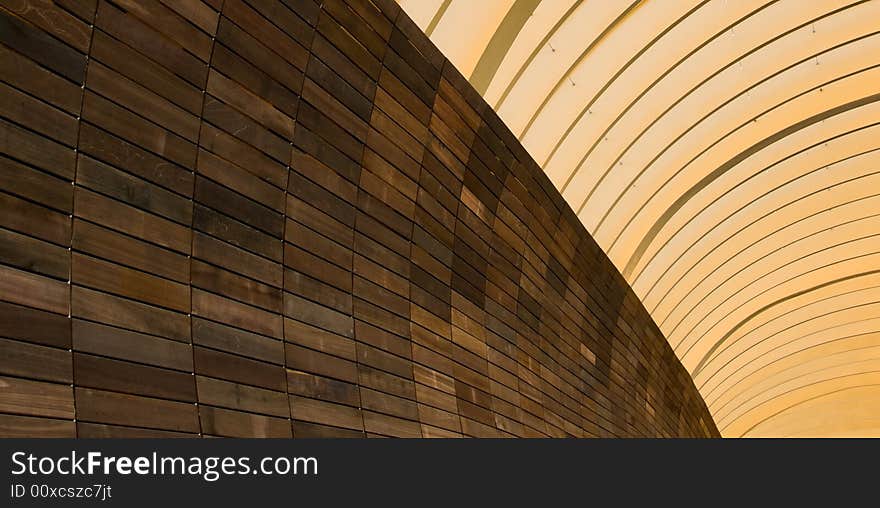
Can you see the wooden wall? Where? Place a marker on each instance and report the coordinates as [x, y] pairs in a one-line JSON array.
[[293, 218]]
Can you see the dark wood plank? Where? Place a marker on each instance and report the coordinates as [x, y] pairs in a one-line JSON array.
[[35, 398], [100, 406]]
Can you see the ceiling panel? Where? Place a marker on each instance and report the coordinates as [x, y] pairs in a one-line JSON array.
[[726, 155]]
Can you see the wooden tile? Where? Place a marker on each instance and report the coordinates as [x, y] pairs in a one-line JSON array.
[[14, 426], [224, 310], [133, 32], [35, 291], [139, 317], [34, 361], [237, 341], [42, 47], [101, 406], [104, 431], [222, 365], [221, 393], [112, 278], [228, 423], [32, 325], [35, 398], [120, 376], [123, 344], [316, 411], [36, 150], [28, 253]]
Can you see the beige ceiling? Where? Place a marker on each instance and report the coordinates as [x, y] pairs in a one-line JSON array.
[[726, 155]]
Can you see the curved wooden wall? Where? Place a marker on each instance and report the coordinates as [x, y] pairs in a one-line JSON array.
[[290, 219]]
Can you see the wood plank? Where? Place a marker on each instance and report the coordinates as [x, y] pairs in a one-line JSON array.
[[244, 58], [125, 250], [138, 130], [250, 104], [273, 37], [117, 152], [243, 155], [104, 431], [139, 317], [197, 12], [147, 73], [236, 259], [318, 387], [32, 325], [121, 376], [112, 278], [226, 173], [35, 398], [34, 361], [123, 344], [239, 342], [38, 116], [311, 337], [132, 221], [316, 411], [36, 150], [27, 253], [224, 310], [228, 423], [33, 290], [245, 128], [311, 431], [147, 41], [235, 368], [143, 101], [307, 360], [53, 20], [101, 406], [233, 204], [216, 392], [14, 426], [171, 24], [228, 284], [41, 47]]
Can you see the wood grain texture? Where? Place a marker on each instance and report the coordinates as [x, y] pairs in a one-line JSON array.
[[293, 219]]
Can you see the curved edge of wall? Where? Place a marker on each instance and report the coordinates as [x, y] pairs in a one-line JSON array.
[[294, 220]]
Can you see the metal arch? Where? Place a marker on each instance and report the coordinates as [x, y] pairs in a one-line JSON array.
[[623, 15], [812, 234], [599, 138], [721, 138], [770, 213], [781, 374], [738, 307], [725, 422], [538, 48], [843, 337], [638, 55], [794, 326], [706, 358], [767, 214], [804, 150], [739, 158], [580, 163], [804, 401]]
